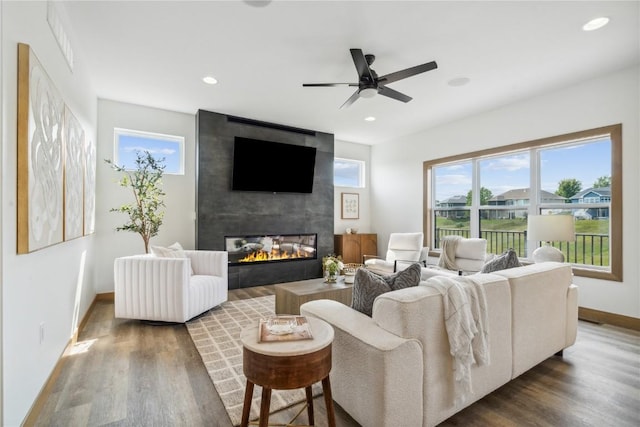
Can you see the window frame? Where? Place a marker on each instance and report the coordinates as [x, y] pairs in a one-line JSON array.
[[361, 171], [614, 132], [179, 140]]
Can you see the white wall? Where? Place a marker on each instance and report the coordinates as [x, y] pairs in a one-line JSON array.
[[354, 151], [396, 199], [53, 285], [1, 209], [179, 220]]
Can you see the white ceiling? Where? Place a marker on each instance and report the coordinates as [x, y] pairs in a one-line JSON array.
[[155, 53]]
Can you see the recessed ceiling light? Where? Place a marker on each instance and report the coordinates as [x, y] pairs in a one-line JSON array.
[[210, 80], [596, 23], [370, 119], [257, 3], [459, 81]]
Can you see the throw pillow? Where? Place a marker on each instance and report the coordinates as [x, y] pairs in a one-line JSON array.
[[509, 259], [408, 277], [368, 285], [172, 251]]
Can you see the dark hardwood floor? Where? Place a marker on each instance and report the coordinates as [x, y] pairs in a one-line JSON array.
[[133, 373]]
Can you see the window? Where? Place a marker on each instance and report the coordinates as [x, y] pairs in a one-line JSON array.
[[491, 193], [168, 147], [348, 173], [504, 202], [452, 200]]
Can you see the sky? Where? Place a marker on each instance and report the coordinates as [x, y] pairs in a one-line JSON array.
[[585, 162], [128, 145], [346, 173]]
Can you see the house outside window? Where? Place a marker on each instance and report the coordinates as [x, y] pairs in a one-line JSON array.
[[496, 190], [451, 208]]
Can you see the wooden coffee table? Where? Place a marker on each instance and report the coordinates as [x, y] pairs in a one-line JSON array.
[[290, 296]]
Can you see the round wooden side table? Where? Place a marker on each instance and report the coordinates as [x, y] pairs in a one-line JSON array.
[[287, 365]]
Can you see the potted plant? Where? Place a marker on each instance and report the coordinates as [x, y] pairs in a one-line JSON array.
[[145, 214], [332, 264]]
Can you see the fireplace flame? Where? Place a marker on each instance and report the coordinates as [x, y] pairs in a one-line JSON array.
[[274, 254], [260, 249]]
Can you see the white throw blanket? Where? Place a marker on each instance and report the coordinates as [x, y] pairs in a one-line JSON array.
[[448, 254], [465, 312]]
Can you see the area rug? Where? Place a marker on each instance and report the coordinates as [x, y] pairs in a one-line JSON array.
[[216, 335]]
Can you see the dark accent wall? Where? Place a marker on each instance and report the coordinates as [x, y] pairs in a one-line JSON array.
[[222, 212]]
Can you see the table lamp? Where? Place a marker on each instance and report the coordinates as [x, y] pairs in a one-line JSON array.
[[550, 228]]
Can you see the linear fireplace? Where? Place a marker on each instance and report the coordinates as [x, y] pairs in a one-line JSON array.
[[262, 249]]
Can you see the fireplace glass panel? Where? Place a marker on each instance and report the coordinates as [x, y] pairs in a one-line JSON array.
[[270, 248]]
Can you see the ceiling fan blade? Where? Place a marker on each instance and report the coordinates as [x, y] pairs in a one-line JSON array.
[[383, 90], [364, 72], [351, 100], [408, 72], [328, 84]]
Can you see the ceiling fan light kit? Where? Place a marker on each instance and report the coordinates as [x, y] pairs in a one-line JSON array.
[[370, 84], [368, 92]]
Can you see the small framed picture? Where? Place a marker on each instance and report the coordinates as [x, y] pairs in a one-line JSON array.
[[350, 206]]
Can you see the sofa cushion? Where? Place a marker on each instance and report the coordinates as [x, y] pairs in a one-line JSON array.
[[172, 251], [509, 259], [367, 286]]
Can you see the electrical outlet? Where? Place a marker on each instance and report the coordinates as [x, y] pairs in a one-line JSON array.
[[41, 332]]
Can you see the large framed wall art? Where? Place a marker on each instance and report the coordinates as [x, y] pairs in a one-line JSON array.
[[52, 162], [89, 186], [73, 176]]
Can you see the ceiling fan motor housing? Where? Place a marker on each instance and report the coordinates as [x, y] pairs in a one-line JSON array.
[[370, 58]]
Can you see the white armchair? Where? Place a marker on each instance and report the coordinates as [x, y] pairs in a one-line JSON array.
[[464, 254], [163, 289], [403, 249]]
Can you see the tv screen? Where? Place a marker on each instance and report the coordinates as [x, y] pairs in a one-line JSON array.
[[272, 166]]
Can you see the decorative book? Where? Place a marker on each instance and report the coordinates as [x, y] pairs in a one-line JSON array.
[[284, 328]]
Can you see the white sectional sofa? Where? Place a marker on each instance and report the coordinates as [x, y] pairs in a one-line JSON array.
[[395, 368]]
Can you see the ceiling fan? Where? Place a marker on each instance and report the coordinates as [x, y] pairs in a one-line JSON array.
[[369, 84]]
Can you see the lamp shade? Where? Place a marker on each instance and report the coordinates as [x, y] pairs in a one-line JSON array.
[[551, 228]]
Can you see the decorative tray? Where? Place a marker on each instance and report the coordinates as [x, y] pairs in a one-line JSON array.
[[284, 328]]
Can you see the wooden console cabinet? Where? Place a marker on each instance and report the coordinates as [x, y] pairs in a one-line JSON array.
[[352, 246]]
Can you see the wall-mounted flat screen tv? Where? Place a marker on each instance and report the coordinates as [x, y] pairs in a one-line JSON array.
[[272, 166]]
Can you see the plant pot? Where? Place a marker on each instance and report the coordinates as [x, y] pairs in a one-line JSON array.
[[330, 277]]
